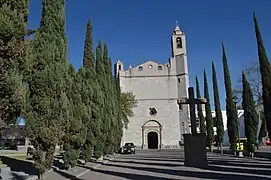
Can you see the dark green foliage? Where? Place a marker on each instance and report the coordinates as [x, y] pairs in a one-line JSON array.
[[128, 102], [102, 105], [250, 114], [21, 6], [70, 157], [265, 70], [76, 131], [199, 109], [120, 114], [48, 104], [232, 117], [219, 119], [88, 59], [13, 59], [263, 130], [100, 66], [208, 117], [91, 96]]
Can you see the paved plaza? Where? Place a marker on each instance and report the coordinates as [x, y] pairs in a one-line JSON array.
[[161, 165], [168, 164]]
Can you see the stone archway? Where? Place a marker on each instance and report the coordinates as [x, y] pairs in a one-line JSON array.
[[152, 140], [151, 135]]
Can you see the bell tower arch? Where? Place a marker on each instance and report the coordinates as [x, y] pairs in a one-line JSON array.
[[178, 43]]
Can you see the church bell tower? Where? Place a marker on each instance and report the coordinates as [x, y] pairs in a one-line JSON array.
[[178, 43], [179, 63]]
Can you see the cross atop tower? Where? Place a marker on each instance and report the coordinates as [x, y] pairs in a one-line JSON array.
[[177, 27]]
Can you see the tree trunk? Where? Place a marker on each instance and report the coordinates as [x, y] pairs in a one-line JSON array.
[[221, 149], [41, 176], [264, 141], [211, 149]]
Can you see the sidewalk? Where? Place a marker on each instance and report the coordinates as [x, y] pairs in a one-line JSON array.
[[79, 170]]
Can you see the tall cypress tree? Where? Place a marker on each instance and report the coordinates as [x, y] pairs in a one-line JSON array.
[[263, 130], [199, 109], [47, 113], [120, 114], [251, 117], [208, 118], [265, 75], [76, 131], [101, 85], [219, 119], [232, 118], [13, 60], [91, 98], [109, 119]]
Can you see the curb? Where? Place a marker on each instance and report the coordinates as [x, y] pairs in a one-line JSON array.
[[82, 173], [98, 165]]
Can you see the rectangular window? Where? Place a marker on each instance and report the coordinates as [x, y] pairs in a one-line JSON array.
[[179, 80]]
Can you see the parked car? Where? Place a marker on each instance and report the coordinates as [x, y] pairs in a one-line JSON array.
[[129, 148]]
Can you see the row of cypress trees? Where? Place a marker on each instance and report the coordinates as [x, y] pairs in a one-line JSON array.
[[251, 116], [210, 123], [80, 110]]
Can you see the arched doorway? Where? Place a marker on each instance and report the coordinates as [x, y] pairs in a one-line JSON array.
[[152, 140], [152, 135]]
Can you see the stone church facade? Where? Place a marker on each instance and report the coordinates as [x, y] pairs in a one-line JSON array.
[[158, 122]]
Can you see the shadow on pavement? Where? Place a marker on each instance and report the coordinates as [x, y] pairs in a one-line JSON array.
[[153, 159], [19, 165], [149, 163], [195, 174], [18, 177], [64, 174], [129, 176], [59, 164], [241, 164]]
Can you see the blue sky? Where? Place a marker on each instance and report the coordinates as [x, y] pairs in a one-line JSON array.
[[140, 30]]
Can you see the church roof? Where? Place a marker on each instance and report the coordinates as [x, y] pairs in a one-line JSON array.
[[148, 62]]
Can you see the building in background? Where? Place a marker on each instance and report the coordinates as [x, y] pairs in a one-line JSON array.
[[240, 120], [158, 122]]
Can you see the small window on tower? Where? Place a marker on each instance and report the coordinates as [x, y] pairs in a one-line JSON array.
[[119, 67], [160, 68], [179, 42], [140, 68], [153, 111], [179, 80]]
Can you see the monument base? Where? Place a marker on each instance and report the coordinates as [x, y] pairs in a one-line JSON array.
[[195, 154]]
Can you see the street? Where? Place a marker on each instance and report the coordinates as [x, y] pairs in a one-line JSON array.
[[168, 164]]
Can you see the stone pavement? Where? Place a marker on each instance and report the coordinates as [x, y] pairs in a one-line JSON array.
[[165, 165], [168, 164], [58, 174]]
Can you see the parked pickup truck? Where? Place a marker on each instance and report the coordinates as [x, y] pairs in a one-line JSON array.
[[129, 148]]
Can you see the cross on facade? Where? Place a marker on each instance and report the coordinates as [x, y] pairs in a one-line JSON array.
[[192, 102]]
